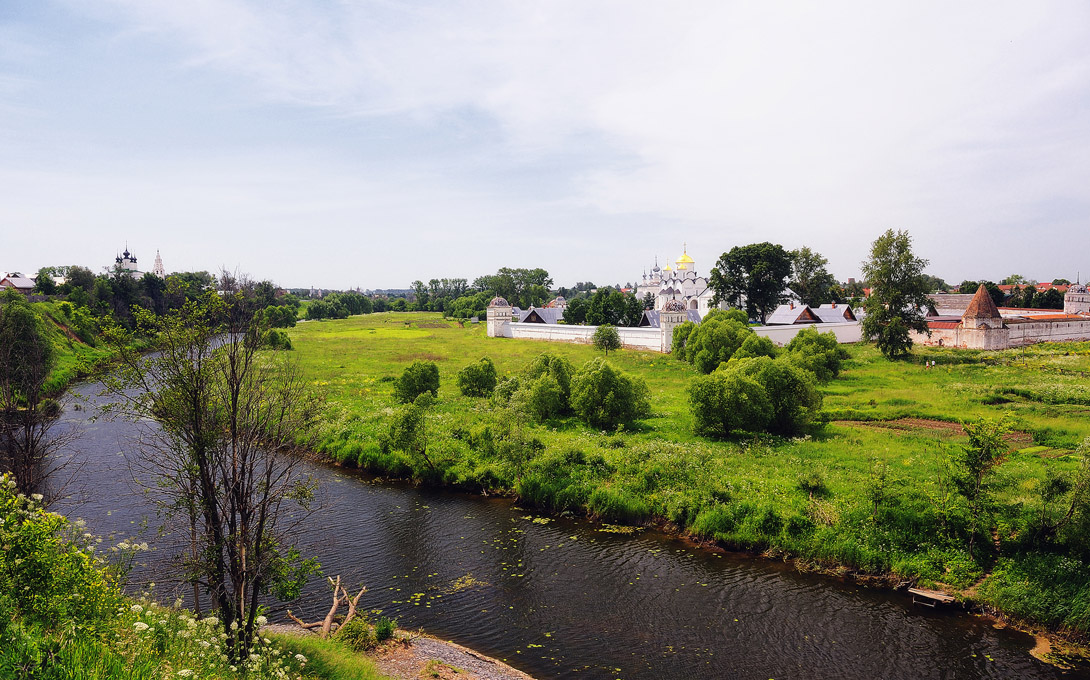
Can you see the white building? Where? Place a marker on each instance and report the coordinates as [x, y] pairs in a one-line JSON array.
[[681, 283]]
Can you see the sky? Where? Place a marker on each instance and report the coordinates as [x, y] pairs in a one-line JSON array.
[[339, 144]]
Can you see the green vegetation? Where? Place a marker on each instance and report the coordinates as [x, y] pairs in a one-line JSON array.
[[872, 485], [62, 615], [606, 339], [898, 299], [419, 378]]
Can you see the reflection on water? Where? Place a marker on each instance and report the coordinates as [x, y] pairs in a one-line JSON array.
[[562, 598]]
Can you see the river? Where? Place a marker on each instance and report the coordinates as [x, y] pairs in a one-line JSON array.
[[564, 597]]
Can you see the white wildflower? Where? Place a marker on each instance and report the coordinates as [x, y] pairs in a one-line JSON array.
[[300, 658], [185, 673], [37, 497], [261, 620], [140, 626], [136, 608]]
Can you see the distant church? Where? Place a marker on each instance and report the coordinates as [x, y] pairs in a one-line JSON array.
[[126, 262], [680, 283]]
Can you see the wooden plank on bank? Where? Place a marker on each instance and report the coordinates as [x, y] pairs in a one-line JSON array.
[[931, 598]]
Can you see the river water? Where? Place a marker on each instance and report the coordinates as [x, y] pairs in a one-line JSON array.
[[564, 598]]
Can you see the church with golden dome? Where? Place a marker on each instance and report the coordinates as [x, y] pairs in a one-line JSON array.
[[680, 282]]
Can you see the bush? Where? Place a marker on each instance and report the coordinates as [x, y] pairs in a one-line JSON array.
[[384, 629], [607, 339], [819, 353], [357, 634], [756, 346], [791, 391], [479, 379], [275, 339], [539, 399], [715, 340], [418, 378], [559, 368], [726, 401], [680, 339], [605, 397]]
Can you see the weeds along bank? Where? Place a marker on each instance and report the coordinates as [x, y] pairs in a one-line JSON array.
[[63, 615], [876, 488]]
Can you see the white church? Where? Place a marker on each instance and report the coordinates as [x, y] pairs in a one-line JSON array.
[[680, 282]]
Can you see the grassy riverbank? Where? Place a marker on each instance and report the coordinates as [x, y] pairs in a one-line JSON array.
[[63, 615], [870, 491]]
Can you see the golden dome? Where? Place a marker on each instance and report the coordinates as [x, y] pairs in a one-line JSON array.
[[667, 268], [685, 259]]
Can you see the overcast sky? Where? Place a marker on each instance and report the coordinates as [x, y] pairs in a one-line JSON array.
[[344, 144]]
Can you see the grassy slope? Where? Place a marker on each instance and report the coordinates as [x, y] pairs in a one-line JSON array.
[[74, 358], [745, 493]]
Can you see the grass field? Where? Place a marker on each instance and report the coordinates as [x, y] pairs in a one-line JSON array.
[[869, 490]]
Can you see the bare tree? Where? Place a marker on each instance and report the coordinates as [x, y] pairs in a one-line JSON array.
[[28, 441], [225, 456]]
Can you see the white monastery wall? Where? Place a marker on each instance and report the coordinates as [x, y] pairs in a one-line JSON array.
[[1045, 331], [851, 331]]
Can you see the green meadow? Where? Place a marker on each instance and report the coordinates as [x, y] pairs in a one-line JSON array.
[[868, 490]]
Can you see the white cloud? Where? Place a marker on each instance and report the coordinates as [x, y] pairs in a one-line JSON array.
[[719, 123]]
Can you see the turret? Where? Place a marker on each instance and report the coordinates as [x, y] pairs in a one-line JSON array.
[[498, 317]]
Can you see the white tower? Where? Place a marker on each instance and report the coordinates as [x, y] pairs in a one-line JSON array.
[[158, 268], [499, 316]]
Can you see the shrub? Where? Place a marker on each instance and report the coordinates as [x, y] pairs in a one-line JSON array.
[[418, 378], [791, 391], [357, 634], [726, 401], [384, 629], [819, 353], [506, 389], [681, 339], [756, 346], [605, 397], [607, 339], [479, 379], [715, 340], [539, 399], [275, 339], [560, 369]]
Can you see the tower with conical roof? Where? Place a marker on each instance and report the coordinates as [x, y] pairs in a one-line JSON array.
[[982, 325], [157, 269], [982, 312]]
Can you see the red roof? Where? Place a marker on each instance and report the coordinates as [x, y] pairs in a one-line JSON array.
[[941, 325]]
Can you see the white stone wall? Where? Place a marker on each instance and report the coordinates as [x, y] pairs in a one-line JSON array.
[[851, 331], [633, 338], [1048, 331]]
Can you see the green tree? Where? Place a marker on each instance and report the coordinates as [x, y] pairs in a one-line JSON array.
[[233, 423], [44, 283], [898, 297], [561, 371], [26, 413], [819, 353], [810, 279], [607, 339], [576, 311], [1014, 280], [479, 379], [418, 378], [753, 277], [606, 397], [726, 401], [790, 389], [648, 300], [408, 430], [1050, 299], [715, 340], [976, 461]]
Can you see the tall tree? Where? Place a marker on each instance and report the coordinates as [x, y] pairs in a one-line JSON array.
[[752, 277], [898, 299], [809, 278], [225, 454], [26, 413]]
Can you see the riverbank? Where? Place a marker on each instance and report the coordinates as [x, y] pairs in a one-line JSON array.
[[415, 655], [870, 493]]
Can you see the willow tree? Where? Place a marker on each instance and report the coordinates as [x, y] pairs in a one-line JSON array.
[[224, 453]]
